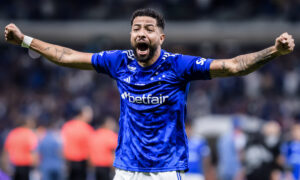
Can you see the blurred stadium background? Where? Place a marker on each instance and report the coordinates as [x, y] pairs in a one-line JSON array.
[[208, 28]]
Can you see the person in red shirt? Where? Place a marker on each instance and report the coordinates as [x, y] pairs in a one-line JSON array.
[[102, 146], [76, 134], [20, 146]]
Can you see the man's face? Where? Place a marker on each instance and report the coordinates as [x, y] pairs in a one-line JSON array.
[[296, 132], [145, 38]]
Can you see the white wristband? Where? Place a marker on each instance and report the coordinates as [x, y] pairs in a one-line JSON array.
[[26, 41]]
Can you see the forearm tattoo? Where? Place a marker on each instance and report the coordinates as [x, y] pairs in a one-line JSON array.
[[59, 52], [249, 62], [65, 51], [223, 67]]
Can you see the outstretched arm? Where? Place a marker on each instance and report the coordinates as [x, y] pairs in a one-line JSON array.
[[57, 54], [245, 64]]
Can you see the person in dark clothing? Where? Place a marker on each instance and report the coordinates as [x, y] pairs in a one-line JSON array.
[[262, 153]]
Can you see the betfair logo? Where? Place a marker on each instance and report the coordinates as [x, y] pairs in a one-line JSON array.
[[144, 99]]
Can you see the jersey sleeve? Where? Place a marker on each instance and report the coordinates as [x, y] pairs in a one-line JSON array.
[[107, 62], [193, 67]]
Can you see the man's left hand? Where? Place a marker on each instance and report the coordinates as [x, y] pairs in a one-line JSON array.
[[284, 44]]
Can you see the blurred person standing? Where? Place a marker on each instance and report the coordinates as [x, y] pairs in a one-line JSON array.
[[4, 176], [76, 134], [51, 162], [291, 152], [200, 167], [262, 157], [103, 144], [230, 147], [20, 146]]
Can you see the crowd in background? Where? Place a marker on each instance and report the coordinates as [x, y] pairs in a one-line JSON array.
[[266, 153], [77, 151], [174, 9], [74, 151], [49, 94]]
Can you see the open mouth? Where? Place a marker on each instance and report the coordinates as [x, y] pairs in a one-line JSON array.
[[142, 49]]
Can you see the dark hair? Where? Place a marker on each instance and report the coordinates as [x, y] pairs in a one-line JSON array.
[[160, 21]]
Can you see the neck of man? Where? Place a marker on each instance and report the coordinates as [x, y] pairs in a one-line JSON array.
[[152, 60]]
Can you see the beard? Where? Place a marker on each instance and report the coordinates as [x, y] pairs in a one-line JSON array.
[[146, 58]]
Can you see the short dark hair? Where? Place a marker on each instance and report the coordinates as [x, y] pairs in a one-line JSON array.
[[160, 21]]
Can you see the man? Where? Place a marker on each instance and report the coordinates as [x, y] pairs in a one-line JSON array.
[[20, 146], [103, 144], [230, 148], [76, 134], [262, 158], [153, 85], [291, 152], [51, 162], [200, 166]]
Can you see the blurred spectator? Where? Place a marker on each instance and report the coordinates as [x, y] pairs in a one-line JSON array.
[[291, 151], [20, 145], [230, 146], [103, 144], [51, 162], [4, 176], [200, 167], [76, 134], [262, 153], [174, 9], [260, 99]]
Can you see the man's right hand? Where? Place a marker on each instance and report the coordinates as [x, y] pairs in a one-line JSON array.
[[13, 34], [57, 54]]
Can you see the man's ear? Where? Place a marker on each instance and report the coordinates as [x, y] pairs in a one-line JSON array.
[[162, 38]]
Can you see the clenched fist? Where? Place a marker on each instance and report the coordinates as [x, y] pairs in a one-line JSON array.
[[13, 34], [284, 44]]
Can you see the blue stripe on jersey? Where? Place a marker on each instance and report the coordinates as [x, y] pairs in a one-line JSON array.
[[153, 108]]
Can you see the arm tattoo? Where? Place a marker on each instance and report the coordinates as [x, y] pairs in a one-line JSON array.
[[64, 51], [47, 48], [223, 66], [249, 62], [222, 70], [56, 52]]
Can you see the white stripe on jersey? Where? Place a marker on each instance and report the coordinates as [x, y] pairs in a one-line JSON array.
[[167, 55], [130, 54]]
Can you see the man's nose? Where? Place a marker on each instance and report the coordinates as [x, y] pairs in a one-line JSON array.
[[141, 34]]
